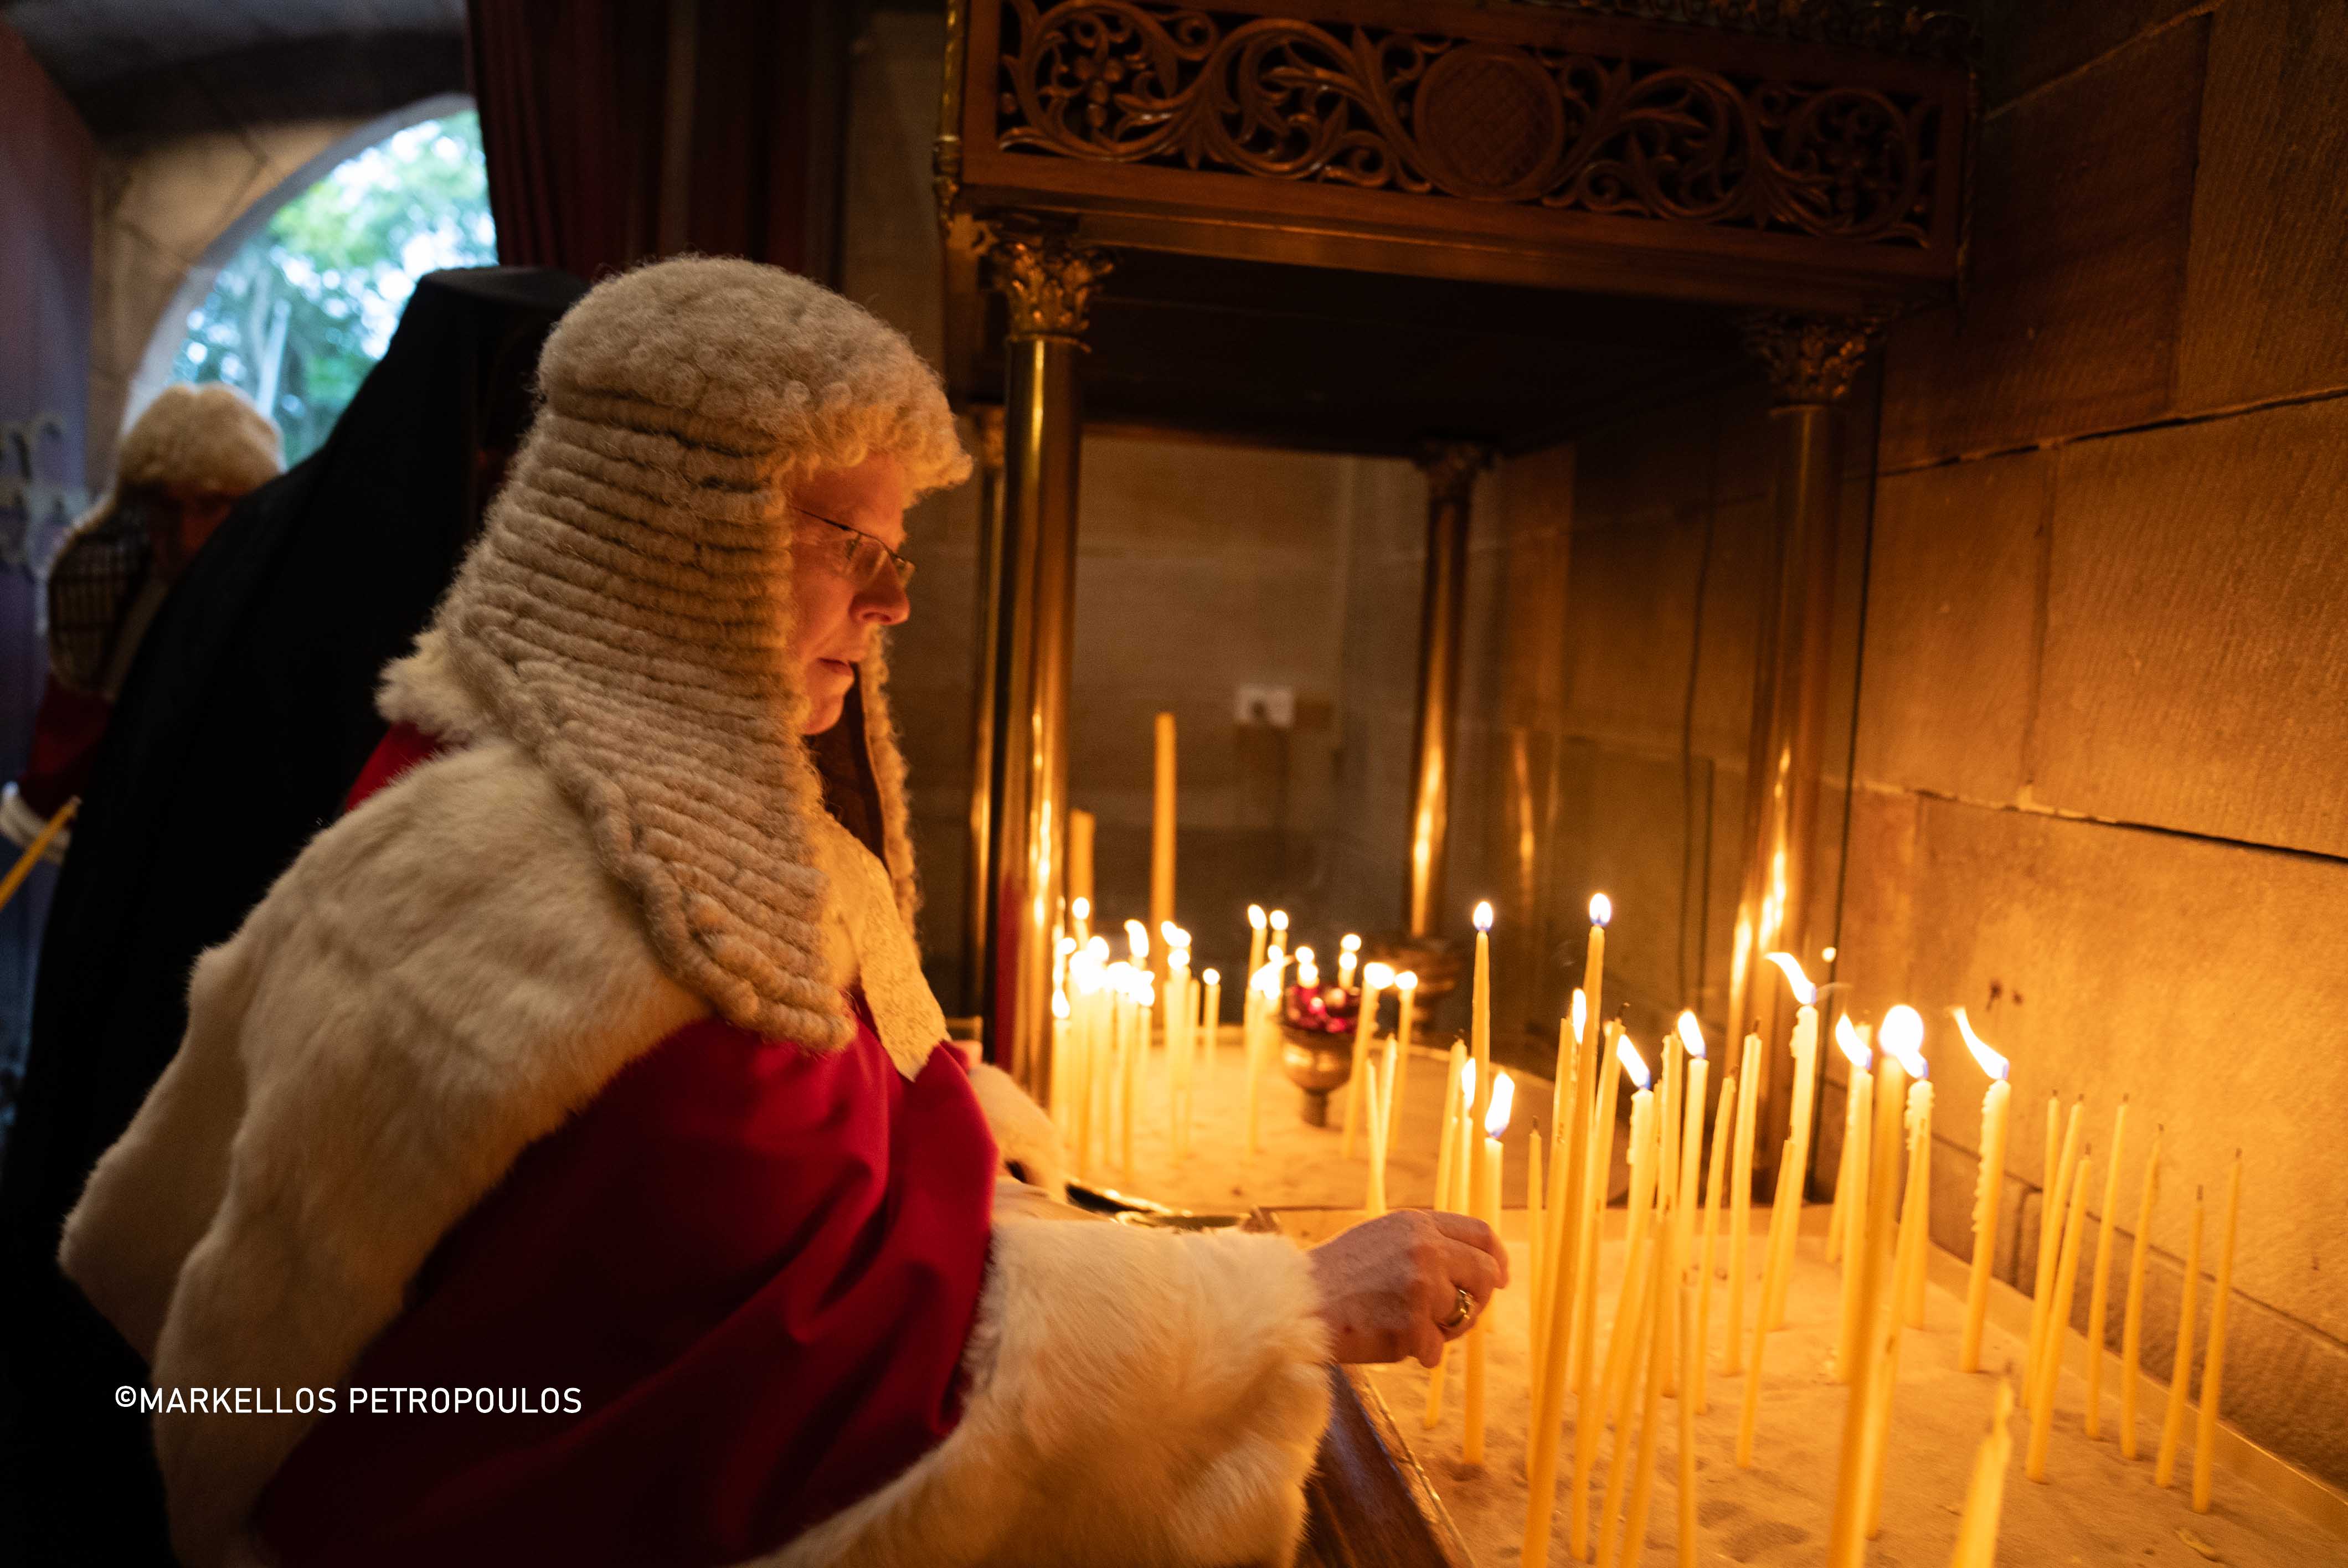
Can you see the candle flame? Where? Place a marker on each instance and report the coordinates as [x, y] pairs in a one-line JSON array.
[[1467, 1081], [1601, 909], [1994, 1064], [1691, 1034], [1633, 1062], [1303, 957], [1349, 943], [1068, 945], [1212, 977], [1166, 928], [1804, 992], [1903, 1035], [1265, 981], [1059, 1004], [1255, 915], [1580, 1014], [1378, 976], [1504, 1098], [1484, 915], [1854, 1048], [1136, 940], [1081, 908], [1279, 919], [1826, 955], [1408, 980]]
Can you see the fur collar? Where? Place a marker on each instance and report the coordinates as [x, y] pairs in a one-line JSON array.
[[440, 979]]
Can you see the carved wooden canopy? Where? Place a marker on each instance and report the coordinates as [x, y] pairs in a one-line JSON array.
[[1527, 212]]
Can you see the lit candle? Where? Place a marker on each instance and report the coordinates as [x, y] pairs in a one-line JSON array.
[[1786, 1217], [1690, 1158], [1257, 923], [2055, 1199], [1374, 978], [1564, 1303], [1454, 1088], [1592, 1030], [1380, 1120], [1308, 973], [1480, 1017], [2058, 1324], [1996, 1104], [2180, 1375], [1162, 828], [1986, 1497], [1597, 1395], [1405, 999], [2132, 1320], [1210, 1018], [1740, 1202], [1349, 953], [1903, 1040], [1916, 1212], [1262, 1020], [1721, 1138], [1846, 1539], [1497, 1097], [2098, 1294], [2213, 1362], [1856, 1168], [1177, 1044], [1645, 1172]]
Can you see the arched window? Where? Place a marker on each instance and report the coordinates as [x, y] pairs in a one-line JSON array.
[[306, 305]]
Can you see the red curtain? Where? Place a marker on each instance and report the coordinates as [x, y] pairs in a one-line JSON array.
[[619, 130]]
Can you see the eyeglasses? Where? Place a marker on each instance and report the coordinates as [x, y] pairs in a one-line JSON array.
[[857, 556]]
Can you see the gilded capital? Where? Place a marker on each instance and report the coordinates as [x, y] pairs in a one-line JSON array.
[[1813, 359], [1451, 467], [1046, 280]]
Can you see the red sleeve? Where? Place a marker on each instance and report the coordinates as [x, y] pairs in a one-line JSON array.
[[757, 1266]]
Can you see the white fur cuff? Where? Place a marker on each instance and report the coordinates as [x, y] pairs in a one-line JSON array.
[[1136, 1397], [1024, 1133]]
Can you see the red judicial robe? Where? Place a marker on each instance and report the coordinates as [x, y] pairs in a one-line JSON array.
[[756, 1264]]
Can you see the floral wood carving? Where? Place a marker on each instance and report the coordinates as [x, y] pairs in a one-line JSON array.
[[1144, 82]]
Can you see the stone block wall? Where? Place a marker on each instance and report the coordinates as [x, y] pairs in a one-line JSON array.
[[2107, 630]]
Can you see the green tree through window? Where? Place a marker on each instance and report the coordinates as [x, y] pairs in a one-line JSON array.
[[304, 310]]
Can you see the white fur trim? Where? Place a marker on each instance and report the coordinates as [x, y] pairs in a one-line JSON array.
[[1023, 1133], [442, 977], [1136, 1397]]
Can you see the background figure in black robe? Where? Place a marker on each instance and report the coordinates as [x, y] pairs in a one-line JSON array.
[[247, 715]]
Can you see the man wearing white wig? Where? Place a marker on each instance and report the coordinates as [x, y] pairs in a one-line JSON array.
[[579, 1093]]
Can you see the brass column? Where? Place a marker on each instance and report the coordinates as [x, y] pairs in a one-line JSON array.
[[1450, 468], [1812, 363], [1047, 284], [986, 682]]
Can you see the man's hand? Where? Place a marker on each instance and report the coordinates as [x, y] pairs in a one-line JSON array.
[[1390, 1285]]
